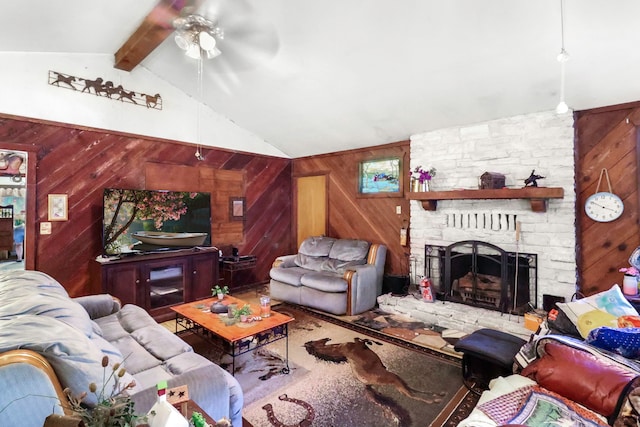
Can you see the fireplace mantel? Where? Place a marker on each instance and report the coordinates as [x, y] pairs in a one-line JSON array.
[[537, 196]]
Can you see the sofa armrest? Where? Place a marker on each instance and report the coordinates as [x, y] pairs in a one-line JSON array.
[[284, 261], [99, 305], [30, 389], [361, 288]]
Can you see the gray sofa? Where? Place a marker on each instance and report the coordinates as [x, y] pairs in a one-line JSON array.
[[38, 318], [339, 276]]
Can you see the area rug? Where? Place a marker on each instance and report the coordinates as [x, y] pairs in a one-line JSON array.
[[410, 331], [339, 376]]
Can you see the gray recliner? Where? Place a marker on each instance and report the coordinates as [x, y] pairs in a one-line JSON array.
[[339, 276]]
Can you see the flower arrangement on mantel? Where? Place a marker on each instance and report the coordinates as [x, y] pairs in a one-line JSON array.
[[422, 175], [420, 178]]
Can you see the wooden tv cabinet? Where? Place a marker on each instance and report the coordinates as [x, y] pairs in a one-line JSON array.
[[158, 281]]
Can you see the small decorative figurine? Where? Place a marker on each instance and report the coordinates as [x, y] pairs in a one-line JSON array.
[[532, 180]]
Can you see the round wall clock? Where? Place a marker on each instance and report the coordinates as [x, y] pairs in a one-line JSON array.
[[604, 207]]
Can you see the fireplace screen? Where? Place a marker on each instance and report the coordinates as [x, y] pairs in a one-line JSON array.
[[483, 275]]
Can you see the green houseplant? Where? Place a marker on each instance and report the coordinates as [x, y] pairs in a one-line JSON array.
[[220, 291], [242, 313]]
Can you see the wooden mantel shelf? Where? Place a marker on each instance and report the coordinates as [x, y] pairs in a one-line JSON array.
[[538, 196]]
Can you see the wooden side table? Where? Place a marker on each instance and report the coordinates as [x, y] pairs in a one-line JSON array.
[[231, 265]]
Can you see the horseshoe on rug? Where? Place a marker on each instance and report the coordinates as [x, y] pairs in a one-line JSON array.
[[306, 422]]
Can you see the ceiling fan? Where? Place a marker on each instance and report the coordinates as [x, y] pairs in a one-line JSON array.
[[227, 28]]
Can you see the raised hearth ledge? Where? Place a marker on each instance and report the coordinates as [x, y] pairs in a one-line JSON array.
[[453, 315]]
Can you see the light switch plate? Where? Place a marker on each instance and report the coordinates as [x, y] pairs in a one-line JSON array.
[[398, 210]]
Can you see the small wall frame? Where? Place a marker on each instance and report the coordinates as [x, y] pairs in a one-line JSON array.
[[58, 207], [237, 208]]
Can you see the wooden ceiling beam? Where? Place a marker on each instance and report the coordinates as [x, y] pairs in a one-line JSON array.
[[153, 30]]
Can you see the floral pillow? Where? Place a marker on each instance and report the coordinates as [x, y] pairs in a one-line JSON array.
[[543, 408], [601, 309], [624, 341]]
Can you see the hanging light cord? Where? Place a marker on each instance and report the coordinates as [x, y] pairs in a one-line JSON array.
[[199, 155], [563, 57], [562, 26]]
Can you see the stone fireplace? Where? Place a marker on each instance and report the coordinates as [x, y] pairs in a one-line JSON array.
[[513, 147], [483, 275]]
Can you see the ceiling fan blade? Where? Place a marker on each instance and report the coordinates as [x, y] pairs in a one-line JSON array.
[[153, 30], [248, 45], [248, 40]]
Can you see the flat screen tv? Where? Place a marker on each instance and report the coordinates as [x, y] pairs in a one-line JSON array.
[[137, 221]]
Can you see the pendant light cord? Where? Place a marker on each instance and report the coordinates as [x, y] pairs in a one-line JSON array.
[[562, 25], [198, 101]]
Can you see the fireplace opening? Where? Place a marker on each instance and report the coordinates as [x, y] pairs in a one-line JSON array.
[[483, 275]]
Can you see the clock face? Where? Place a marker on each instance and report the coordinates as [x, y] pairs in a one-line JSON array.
[[603, 207]]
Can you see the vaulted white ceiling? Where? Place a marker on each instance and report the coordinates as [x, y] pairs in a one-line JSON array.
[[343, 74]]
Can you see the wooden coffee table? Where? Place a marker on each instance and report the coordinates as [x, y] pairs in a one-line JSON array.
[[240, 337]]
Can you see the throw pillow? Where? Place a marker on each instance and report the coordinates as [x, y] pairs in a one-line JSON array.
[[591, 312], [309, 262], [624, 341], [580, 376], [543, 408], [316, 246], [350, 250]]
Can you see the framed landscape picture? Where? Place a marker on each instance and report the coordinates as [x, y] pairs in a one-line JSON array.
[[380, 178]]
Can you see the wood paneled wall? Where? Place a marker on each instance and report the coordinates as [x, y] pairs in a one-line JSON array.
[[82, 162], [606, 138], [372, 219]]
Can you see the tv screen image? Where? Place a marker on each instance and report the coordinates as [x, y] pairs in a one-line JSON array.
[[154, 220]]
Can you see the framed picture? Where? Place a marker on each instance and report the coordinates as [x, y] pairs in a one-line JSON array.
[[381, 178], [236, 208], [58, 207]]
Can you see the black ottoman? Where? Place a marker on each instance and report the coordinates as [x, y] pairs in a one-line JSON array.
[[487, 354]]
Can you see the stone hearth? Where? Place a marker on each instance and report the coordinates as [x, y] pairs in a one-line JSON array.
[[453, 315]]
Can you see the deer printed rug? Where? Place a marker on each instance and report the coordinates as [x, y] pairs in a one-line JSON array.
[[341, 376]]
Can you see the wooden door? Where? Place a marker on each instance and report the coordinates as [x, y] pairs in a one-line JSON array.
[[310, 193]]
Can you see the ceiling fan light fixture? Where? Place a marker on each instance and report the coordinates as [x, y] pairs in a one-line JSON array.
[[213, 53], [182, 42], [206, 41], [193, 51], [198, 36]]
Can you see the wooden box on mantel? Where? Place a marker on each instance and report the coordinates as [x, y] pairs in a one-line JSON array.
[[491, 181]]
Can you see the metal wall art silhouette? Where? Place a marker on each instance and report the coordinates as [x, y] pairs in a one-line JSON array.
[[107, 89]]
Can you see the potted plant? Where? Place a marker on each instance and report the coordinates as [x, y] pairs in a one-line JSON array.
[[114, 407], [242, 313], [220, 291]]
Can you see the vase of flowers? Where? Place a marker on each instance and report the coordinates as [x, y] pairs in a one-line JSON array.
[[630, 280], [421, 177]]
